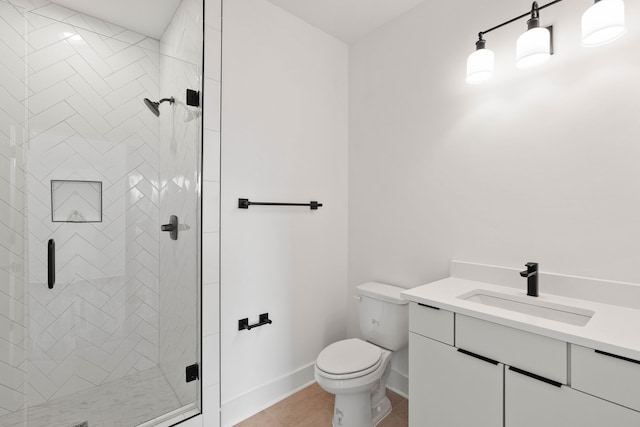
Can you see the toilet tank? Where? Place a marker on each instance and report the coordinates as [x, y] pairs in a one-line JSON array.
[[384, 315]]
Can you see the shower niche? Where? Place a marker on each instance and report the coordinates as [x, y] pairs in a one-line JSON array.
[[84, 164], [76, 201]]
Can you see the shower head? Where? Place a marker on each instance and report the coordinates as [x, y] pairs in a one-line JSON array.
[[155, 106]]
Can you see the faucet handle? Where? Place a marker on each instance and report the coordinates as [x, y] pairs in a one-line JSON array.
[[532, 268]]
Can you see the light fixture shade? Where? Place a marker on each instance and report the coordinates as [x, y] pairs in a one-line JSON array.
[[533, 48], [480, 66], [603, 22]]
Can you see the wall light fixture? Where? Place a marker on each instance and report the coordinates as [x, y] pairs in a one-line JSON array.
[[480, 63], [602, 23], [533, 47]]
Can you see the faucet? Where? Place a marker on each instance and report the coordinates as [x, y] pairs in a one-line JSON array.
[[531, 273]]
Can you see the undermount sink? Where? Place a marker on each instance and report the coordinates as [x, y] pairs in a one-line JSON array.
[[531, 306]]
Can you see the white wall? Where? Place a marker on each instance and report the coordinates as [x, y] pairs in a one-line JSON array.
[[284, 138], [537, 165]]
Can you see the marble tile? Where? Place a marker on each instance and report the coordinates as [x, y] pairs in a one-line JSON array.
[[126, 402]]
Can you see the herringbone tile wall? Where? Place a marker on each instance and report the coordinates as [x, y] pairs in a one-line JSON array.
[[13, 322], [181, 68], [85, 80], [88, 122]]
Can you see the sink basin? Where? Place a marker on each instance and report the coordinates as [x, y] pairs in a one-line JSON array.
[[531, 306]]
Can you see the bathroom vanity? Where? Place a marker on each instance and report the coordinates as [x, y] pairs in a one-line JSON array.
[[485, 355]]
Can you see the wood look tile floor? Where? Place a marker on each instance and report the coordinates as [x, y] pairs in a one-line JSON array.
[[313, 407]]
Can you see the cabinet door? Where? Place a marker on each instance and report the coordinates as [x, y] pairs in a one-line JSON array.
[[448, 388], [530, 402]]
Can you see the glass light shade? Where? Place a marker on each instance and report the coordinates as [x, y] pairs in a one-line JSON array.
[[533, 48], [603, 22], [480, 66]]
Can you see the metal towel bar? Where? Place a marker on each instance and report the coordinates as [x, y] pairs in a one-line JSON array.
[[245, 203]]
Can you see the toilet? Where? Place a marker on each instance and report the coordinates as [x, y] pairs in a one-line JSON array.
[[356, 371]]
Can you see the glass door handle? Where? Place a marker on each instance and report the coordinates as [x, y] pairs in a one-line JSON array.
[[172, 227], [51, 262]]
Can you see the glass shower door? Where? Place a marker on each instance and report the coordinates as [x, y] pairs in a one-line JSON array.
[[13, 117], [99, 309]]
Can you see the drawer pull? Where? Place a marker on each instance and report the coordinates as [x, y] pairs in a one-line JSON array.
[[535, 377], [615, 356], [477, 356], [428, 306]]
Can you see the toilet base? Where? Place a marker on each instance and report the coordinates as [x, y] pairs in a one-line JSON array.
[[380, 411], [356, 410]]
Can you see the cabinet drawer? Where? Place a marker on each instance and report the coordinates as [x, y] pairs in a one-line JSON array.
[[450, 389], [605, 375], [431, 322], [532, 403], [540, 355]]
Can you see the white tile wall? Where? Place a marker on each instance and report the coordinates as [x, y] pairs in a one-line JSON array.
[[86, 122], [181, 48], [13, 333]]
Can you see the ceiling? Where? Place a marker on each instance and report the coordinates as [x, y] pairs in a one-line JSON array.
[[148, 17], [347, 20]]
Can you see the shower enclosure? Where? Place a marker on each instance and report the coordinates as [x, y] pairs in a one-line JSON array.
[[99, 307]]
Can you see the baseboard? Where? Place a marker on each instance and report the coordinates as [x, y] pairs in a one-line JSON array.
[[242, 407], [398, 383]]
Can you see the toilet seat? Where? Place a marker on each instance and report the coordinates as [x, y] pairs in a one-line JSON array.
[[347, 359]]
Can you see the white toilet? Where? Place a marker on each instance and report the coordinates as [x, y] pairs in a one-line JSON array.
[[356, 371]]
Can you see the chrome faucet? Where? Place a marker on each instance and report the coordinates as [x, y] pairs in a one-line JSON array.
[[531, 273]]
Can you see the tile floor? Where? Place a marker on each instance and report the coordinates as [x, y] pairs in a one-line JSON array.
[[313, 407], [123, 403]]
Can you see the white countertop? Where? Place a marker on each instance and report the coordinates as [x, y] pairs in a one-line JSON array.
[[612, 328]]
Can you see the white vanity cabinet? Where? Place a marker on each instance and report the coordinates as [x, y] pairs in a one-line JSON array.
[[451, 389], [470, 372]]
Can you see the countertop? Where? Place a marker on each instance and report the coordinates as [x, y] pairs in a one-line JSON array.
[[612, 328]]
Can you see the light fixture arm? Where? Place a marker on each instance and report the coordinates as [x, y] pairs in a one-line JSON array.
[[534, 22], [534, 13], [535, 10]]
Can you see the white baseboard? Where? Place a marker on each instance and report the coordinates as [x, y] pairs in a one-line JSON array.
[[242, 407], [398, 383]]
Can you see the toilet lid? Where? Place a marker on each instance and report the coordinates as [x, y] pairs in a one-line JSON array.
[[348, 356]]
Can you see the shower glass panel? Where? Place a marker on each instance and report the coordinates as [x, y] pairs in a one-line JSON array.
[[99, 308]]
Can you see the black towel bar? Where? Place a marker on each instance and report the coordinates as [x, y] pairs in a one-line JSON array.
[[245, 203]]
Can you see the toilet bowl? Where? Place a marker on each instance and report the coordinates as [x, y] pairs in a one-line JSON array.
[[359, 384], [356, 371]]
